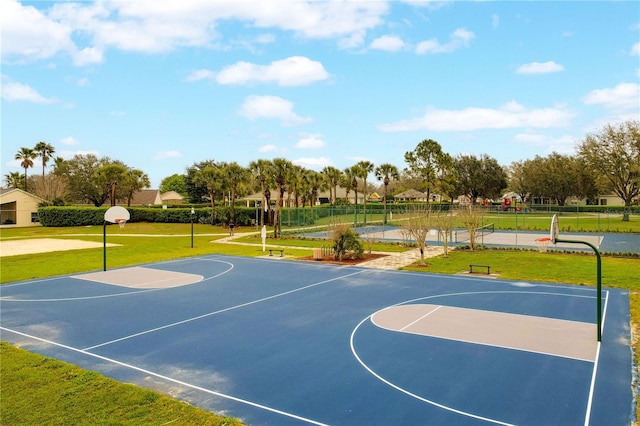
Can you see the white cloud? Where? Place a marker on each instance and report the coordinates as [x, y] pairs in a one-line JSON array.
[[635, 50], [69, 141], [292, 71], [495, 21], [268, 148], [311, 142], [511, 115], [14, 91], [561, 145], [623, 97], [29, 35], [273, 107], [539, 68], [163, 155], [201, 75], [313, 163], [459, 38], [388, 43]]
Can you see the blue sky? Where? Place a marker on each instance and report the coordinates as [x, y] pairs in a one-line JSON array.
[[160, 85]]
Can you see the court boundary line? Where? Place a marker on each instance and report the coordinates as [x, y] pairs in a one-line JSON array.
[[220, 311], [167, 378], [455, 410]]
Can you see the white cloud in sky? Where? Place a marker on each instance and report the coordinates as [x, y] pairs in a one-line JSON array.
[[635, 50], [539, 68], [388, 43], [163, 155], [561, 145], [311, 142], [495, 21], [30, 34], [459, 38], [268, 148], [292, 71], [623, 97], [69, 141], [508, 116], [273, 107], [13, 91], [314, 163]]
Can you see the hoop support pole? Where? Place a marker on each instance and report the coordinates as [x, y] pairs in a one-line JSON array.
[[598, 280]]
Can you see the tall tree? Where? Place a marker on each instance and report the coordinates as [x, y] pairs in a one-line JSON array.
[[259, 170], [210, 177], [111, 176], [332, 176], [44, 151], [80, 172], [134, 181], [176, 183], [364, 167], [614, 153], [385, 172], [425, 162], [196, 187], [480, 177], [235, 177], [13, 179], [26, 157], [281, 174]]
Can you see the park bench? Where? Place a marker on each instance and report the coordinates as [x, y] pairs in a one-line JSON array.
[[280, 250], [475, 265]]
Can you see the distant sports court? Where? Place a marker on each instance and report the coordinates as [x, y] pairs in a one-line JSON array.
[[281, 342]]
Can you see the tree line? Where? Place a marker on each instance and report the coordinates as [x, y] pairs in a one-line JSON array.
[[607, 161]]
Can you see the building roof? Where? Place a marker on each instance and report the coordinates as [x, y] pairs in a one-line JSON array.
[[412, 194], [146, 197]]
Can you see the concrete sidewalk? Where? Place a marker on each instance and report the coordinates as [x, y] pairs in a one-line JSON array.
[[391, 260]]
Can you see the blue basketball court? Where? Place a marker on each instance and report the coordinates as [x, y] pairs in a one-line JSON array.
[[280, 342]]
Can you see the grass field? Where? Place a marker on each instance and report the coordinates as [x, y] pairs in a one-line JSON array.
[[141, 243]]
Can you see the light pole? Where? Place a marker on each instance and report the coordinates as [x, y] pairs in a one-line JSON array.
[[192, 213], [354, 184]]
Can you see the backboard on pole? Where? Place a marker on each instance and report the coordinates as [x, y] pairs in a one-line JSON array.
[[117, 214], [555, 229]]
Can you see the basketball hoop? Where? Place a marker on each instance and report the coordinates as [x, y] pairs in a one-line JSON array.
[[543, 244], [121, 222]]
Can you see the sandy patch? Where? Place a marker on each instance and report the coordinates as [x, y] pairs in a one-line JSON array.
[[44, 245]]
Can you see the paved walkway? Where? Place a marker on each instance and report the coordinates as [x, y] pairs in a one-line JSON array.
[[392, 260]]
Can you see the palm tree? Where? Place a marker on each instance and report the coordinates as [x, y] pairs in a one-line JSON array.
[[135, 180], [281, 173], [13, 180], [211, 178], [111, 176], [44, 151], [260, 171], [235, 175], [26, 157], [332, 176], [365, 167], [385, 172]]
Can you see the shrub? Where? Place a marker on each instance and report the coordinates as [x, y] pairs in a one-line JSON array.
[[345, 239]]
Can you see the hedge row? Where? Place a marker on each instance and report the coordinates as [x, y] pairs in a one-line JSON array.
[[85, 216]]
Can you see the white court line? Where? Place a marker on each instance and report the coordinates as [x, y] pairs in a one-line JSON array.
[[242, 305], [595, 366], [102, 296], [419, 319], [455, 410], [170, 379]]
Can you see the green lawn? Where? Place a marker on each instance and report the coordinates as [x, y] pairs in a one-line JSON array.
[[42, 390]]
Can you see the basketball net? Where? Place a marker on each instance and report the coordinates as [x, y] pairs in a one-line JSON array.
[[543, 244], [121, 222]]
